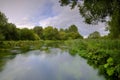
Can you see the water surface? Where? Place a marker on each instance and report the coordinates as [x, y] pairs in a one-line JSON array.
[[54, 64]]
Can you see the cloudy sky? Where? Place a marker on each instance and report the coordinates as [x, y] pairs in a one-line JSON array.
[[30, 13]]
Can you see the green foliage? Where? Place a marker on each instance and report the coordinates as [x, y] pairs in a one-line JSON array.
[[36, 37], [92, 10], [27, 34], [73, 28], [62, 35], [110, 71], [72, 32], [3, 22], [1, 37], [8, 31], [39, 31], [72, 3], [3, 19], [101, 54], [114, 24], [94, 35], [95, 11], [110, 61], [49, 33]]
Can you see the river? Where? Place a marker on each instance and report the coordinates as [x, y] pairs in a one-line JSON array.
[[54, 64]]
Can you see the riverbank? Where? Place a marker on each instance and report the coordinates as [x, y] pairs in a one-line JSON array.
[[101, 54]]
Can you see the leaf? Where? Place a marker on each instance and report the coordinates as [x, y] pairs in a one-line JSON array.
[[110, 71], [110, 60], [106, 65]]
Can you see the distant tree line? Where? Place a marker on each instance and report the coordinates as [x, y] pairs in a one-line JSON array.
[[51, 33], [9, 31]]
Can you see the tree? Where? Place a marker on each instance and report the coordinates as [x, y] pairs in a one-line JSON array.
[[10, 32], [94, 35], [50, 33], [3, 22], [39, 31], [62, 35], [2, 37], [114, 25], [55, 34], [3, 19], [73, 33], [73, 28], [97, 10], [27, 34]]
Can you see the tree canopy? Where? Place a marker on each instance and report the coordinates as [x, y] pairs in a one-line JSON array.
[[94, 35], [97, 10], [3, 22], [26, 34], [39, 31], [3, 19], [9, 31]]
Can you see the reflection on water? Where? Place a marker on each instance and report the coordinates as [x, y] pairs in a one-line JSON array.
[[55, 65]]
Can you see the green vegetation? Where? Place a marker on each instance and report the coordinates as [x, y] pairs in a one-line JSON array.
[[9, 32], [94, 35], [101, 54], [8, 45], [95, 11]]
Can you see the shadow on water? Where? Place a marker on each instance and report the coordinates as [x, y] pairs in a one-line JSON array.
[[51, 64]]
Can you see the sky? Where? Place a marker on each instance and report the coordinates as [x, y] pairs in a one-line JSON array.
[[30, 13]]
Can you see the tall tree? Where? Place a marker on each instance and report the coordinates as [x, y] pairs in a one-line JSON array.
[[2, 37], [63, 34], [73, 28], [39, 31], [55, 34], [73, 32], [10, 32], [3, 22], [27, 34], [3, 19], [50, 33], [97, 10], [94, 35]]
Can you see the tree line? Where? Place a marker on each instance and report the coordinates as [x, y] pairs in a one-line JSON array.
[[9, 31]]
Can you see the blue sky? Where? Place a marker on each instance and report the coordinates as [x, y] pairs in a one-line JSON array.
[[30, 13]]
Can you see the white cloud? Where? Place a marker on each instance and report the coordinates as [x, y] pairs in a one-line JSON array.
[[29, 13], [18, 10], [66, 17]]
